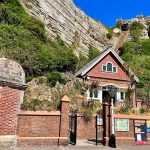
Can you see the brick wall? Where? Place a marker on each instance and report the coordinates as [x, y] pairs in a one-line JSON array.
[[127, 137], [38, 128], [44, 128], [9, 104], [38, 125]]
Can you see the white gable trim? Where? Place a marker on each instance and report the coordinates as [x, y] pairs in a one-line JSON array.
[[100, 57]]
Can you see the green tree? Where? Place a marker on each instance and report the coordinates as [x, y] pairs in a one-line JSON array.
[[93, 52]]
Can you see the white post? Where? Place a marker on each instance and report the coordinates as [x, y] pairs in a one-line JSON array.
[[112, 114], [118, 96], [100, 95]]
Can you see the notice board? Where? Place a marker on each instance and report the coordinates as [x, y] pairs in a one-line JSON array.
[[140, 129]]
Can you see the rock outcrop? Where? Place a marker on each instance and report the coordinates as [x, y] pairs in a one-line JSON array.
[[73, 25]]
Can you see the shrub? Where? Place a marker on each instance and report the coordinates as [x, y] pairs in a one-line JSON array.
[[55, 77], [142, 110], [93, 52], [110, 33], [23, 39], [136, 26], [119, 24], [82, 61], [34, 105], [87, 114]]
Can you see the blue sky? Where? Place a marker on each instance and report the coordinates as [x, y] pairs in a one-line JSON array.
[[107, 11]]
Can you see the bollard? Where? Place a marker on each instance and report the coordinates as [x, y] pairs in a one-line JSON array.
[[112, 141]]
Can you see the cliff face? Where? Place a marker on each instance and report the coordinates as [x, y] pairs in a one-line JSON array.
[[74, 26]]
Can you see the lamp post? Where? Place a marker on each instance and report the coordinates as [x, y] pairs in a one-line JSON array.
[[112, 139], [112, 91]]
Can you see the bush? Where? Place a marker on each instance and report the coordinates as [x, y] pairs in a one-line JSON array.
[[36, 105], [82, 61], [142, 110], [23, 39], [110, 33], [119, 24], [136, 26], [93, 52], [55, 77], [87, 114]]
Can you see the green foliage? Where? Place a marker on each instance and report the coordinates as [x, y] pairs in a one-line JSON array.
[[136, 30], [136, 26], [34, 105], [119, 24], [110, 33], [79, 86], [38, 105], [93, 52], [142, 110], [55, 77], [82, 61], [88, 114], [137, 56], [135, 35], [23, 38]]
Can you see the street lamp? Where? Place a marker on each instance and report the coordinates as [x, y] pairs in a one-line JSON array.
[[112, 139]]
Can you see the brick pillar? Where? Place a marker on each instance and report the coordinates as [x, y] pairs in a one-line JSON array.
[[65, 109], [12, 86], [107, 123], [133, 98]]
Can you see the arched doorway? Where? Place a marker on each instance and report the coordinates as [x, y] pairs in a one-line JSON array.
[[106, 93]]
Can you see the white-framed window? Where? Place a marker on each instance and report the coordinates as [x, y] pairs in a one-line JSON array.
[[122, 95], [93, 94], [109, 67]]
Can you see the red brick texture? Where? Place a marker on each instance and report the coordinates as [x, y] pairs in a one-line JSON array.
[[127, 137], [38, 126], [9, 105], [44, 128], [40, 129]]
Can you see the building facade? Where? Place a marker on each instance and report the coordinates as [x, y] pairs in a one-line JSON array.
[[108, 71]]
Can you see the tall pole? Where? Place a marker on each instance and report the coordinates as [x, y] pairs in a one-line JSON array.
[[112, 115]]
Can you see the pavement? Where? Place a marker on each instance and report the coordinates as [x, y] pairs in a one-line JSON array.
[[90, 145], [99, 147]]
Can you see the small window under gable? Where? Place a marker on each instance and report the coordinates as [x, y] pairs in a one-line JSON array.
[[114, 69], [104, 68], [108, 67]]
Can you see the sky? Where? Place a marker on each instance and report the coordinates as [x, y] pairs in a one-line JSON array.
[[107, 11]]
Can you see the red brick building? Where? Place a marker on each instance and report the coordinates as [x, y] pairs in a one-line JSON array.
[[106, 70]]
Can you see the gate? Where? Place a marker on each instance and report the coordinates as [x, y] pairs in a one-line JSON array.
[[73, 129]]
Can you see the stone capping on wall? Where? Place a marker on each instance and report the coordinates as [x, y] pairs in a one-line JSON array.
[[14, 85], [39, 113], [122, 116], [40, 138]]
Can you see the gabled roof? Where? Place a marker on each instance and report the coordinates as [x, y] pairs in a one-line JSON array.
[[96, 60]]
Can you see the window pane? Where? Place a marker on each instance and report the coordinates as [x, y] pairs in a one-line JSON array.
[[114, 69], [95, 94], [104, 68], [91, 93], [109, 67], [122, 95]]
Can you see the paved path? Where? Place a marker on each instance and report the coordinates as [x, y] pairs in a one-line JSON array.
[[99, 147]]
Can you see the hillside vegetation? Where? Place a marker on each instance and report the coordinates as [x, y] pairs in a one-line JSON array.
[[136, 54], [23, 38]]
